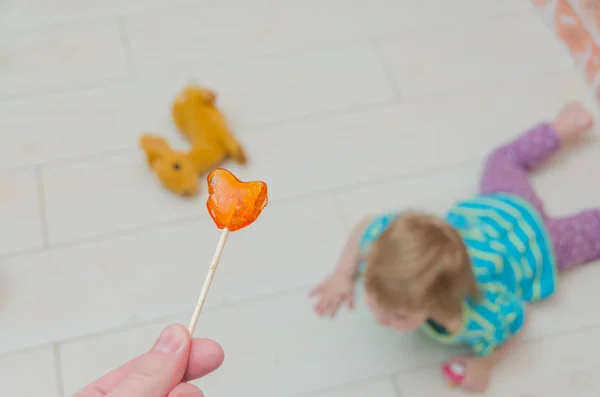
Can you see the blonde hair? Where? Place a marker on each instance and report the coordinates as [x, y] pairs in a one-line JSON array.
[[420, 263]]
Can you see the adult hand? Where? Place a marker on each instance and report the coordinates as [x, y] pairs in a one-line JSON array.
[[174, 359]]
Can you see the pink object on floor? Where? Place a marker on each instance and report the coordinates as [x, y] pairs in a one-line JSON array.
[[454, 372]]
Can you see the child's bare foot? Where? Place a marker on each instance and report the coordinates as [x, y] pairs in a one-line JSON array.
[[572, 121]]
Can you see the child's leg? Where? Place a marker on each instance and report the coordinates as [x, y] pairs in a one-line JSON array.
[[507, 169], [576, 238]]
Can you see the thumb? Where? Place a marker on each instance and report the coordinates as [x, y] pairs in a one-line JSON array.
[[158, 371]]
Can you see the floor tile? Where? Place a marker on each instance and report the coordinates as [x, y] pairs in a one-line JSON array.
[[28, 374], [253, 92], [40, 61], [572, 358], [20, 223], [155, 273], [473, 55], [271, 357], [185, 38], [275, 89], [379, 388]]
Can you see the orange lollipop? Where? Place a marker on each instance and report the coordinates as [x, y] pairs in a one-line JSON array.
[[233, 205]]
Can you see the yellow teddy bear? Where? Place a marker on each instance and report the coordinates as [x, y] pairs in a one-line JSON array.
[[198, 119]]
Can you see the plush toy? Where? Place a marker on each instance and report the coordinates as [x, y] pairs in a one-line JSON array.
[[198, 119]]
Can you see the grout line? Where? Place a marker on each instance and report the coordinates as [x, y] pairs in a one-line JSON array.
[[86, 158], [86, 20], [42, 207], [7, 354], [55, 26], [259, 128], [193, 6], [156, 321], [518, 81], [59, 371], [121, 20], [340, 212], [460, 24], [45, 93], [387, 70], [396, 386], [128, 51], [253, 129], [192, 68], [105, 236], [323, 115]]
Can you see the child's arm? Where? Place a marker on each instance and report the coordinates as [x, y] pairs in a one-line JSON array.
[[479, 369], [338, 288], [351, 254], [503, 351]]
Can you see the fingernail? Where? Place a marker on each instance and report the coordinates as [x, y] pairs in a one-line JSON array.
[[170, 340]]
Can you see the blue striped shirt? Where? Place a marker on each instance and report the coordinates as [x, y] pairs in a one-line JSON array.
[[513, 263]]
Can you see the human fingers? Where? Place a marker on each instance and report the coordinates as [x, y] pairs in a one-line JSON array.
[[205, 356], [185, 390], [317, 290], [322, 304], [350, 300], [157, 372], [333, 305], [321, 309]]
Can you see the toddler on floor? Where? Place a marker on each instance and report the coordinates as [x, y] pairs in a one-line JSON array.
[[468, 277]]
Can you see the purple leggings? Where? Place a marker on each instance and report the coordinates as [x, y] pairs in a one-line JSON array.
[[576, 238]]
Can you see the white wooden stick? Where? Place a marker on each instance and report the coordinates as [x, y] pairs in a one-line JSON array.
[[208, 280]]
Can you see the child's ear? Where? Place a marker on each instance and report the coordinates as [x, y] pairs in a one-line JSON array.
[[155, 147]]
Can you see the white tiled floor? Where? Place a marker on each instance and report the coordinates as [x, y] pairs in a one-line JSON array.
[[346, 107]]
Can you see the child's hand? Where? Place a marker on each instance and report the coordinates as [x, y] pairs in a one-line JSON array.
[[477, 373], [334, 291]]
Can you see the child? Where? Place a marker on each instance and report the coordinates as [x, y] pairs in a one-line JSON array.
[[467, 278]]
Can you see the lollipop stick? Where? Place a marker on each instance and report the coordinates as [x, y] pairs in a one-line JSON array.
[[208, 280]]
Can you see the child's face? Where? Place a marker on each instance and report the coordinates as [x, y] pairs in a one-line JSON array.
[[400, 319]]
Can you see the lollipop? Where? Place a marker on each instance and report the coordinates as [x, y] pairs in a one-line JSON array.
[[233, 205]]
